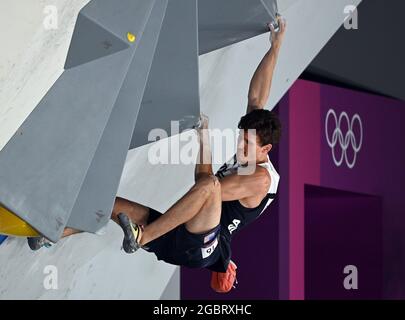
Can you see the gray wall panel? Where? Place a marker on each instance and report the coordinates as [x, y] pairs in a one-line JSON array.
[[94, 204], [91, 41], [119, 16], [172, 92], [222, 23], [45, 163]]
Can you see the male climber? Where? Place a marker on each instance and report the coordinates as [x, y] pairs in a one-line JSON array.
[[197, 230]]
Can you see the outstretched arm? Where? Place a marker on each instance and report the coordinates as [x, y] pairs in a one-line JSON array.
[[204, 159], [260, 84]]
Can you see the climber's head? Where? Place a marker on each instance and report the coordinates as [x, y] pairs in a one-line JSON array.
[[259, 131]]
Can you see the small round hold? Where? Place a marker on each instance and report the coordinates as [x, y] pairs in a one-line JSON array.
[[131, 37]]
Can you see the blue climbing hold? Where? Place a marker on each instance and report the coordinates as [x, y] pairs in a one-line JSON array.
[[2, 238]]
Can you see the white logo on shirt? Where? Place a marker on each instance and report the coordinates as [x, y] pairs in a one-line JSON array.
[[234, 225]]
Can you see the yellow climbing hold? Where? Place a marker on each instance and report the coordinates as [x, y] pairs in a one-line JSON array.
[[12, 225], [131, 37]]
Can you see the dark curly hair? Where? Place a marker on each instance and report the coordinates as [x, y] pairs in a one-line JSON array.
[[266, 123]]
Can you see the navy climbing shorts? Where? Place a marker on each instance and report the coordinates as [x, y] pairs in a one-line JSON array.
[[181, 247]]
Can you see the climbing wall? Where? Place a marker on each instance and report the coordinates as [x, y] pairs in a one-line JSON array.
[[87, 264]]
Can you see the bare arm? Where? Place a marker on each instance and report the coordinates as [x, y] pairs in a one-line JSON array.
[[260, 84], [249, 189], [204, 159]]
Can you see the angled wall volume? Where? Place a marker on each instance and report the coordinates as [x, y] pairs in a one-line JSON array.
[[91, 41], [191, 28], [45, 163], [222, 23], [172, 92], [63, 165], [94, 203]]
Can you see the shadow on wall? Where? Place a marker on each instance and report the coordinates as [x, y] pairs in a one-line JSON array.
[[343, 257]]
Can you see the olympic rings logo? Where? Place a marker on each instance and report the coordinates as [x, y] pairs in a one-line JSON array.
[[345, 140]]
